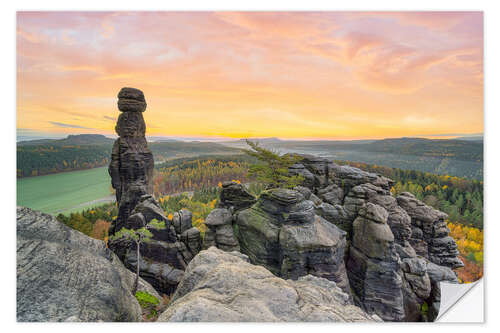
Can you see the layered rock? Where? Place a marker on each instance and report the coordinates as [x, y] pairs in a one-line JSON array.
[[131, 167], [347, 177], [223, 286], [165, 257], [373, 266], [282, 233], [235, 197], [396, 283], [63, 275], [429, 233], [220, 231]]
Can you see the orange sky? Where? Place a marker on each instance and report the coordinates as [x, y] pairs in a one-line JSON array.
[[325, 75]]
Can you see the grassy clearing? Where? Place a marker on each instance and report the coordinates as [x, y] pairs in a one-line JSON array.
[[64, 192]]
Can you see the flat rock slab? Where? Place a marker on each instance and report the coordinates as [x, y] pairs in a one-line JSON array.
[[223, 286]]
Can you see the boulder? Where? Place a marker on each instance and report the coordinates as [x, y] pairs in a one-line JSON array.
[[235, 196], [223, 286], [220, 231], [218, 217], [131, 100], [225, 239], [64, 275], [182, 221], [348, 177], [192, 239]]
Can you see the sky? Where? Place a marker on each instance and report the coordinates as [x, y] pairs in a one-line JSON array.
[[292, 75]]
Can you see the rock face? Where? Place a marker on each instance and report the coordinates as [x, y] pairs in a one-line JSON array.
[[398, 249], [429, 233], [63, 275], [223, 286], [131, 167], [164, 259], [282, 233], [373, 266]]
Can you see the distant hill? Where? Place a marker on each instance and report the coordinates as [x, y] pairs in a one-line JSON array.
[[462, 158], [84, 151], [456, 149], [471, 138], [456, 157], [79, 139]]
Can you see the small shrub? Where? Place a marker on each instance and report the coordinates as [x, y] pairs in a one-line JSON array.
[[148, 304]]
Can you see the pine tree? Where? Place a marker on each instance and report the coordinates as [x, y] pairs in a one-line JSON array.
[[139, 236], [273, 170]]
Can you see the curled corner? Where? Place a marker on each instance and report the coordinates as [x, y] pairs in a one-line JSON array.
[[454, 307]]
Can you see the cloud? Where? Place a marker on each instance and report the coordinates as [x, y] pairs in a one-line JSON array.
[[30, 37], [109, 118], [58, 124], [308, 71], [357, 42]]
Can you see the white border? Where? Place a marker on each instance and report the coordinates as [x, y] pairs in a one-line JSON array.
[[8, 88]]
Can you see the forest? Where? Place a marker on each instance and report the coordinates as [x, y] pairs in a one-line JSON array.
[[459, 158], [460, 198], [192, 174], [85, 151], [194, 183], [37, 160]]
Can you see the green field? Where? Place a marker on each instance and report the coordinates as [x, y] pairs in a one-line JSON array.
[[65, 192]]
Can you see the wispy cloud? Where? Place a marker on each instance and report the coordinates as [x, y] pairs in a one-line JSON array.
[[347, 73], [58, 124]]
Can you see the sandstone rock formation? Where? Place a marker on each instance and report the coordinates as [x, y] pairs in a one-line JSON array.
[[131, 167], [282, 233], [429, 233], [398, 248], [223, 286], [235, 197], [220, 231], [164, 259], [63, 275], [373, 266]]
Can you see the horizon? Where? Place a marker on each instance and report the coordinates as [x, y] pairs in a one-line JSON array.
[[152, 138], [230, 75]]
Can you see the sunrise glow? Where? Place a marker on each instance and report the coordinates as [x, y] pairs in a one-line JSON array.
[[306, 75]]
